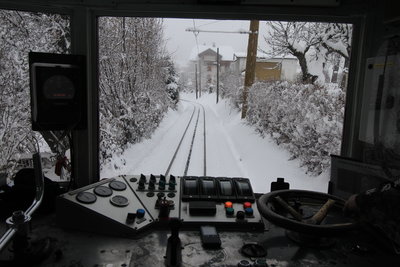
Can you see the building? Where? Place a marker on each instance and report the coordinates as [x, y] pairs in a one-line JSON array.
[[205, 58], [267, 68]]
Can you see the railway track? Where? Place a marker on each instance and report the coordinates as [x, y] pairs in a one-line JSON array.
[[198, 131]]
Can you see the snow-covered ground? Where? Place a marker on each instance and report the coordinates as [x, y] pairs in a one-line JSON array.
[[234, 149]]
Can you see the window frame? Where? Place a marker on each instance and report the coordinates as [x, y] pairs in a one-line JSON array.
[[84, 41]]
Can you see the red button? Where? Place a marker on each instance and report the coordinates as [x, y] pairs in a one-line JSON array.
[[246, 205], [228, 204]]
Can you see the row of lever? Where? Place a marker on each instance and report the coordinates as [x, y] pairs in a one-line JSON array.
[[162, 183]]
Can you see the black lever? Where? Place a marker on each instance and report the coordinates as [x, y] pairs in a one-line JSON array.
[[173, 257], [25, 251]]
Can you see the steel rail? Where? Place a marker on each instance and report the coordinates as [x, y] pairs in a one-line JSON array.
[[180, 143], [191, 144]]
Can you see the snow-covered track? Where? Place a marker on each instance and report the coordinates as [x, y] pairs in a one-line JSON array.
[[190, 145], [180, 142]]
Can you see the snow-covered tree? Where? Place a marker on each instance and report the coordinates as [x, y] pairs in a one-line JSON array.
[[171, 80], [231, 86], [335, 41], [294, 38], [305, 119], [21, 32], [315, 45], [133, 81]]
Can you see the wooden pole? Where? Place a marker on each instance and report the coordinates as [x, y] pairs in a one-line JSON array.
[[250, 63]]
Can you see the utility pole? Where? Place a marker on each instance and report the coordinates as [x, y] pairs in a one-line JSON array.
[[250, 63], [199, 79], [217, 74], [195, 75], [196, 31]]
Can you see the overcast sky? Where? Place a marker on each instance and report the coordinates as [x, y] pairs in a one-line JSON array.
[[181, 42]]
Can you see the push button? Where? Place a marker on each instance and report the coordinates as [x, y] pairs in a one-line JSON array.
[[246, 205], [140, 213], [249, 211], [230, 211], [228, 204]]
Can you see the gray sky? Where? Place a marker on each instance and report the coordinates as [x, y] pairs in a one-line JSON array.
[[180, 42]]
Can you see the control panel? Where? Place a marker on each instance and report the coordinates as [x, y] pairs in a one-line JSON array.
[[127, 205]]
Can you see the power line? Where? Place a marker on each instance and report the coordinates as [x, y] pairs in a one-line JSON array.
[[197, 31], [213, 22]]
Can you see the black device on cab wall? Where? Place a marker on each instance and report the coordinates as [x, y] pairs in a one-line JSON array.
[[58, 91]]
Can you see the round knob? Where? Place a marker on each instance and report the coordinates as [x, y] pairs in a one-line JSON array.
[[249, 211], [246, 205], [140, 213], [228, 204], [230, 211], [240, 215], [244, 263]]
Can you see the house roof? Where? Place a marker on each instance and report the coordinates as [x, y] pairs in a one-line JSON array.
[[227, 53]]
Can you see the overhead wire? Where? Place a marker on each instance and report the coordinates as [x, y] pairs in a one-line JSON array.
[[213, 22]]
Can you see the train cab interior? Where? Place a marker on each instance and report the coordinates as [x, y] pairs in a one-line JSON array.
[[165, 220]]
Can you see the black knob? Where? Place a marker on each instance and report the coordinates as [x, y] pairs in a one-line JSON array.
[[130, 218], [143, 178], [162, 178], [172, 179], [161, 185], [141, 185], [152, 185], [171, 186], [240, 215], [152, 178], [164, 208]]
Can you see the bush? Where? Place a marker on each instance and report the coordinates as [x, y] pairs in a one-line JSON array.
[[305, 119]]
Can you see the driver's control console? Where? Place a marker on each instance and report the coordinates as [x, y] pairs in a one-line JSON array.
[[127, 205]]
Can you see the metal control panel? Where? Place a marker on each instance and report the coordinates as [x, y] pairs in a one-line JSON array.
[[128, 205]]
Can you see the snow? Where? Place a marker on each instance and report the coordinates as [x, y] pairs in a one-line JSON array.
[[234, 149]]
